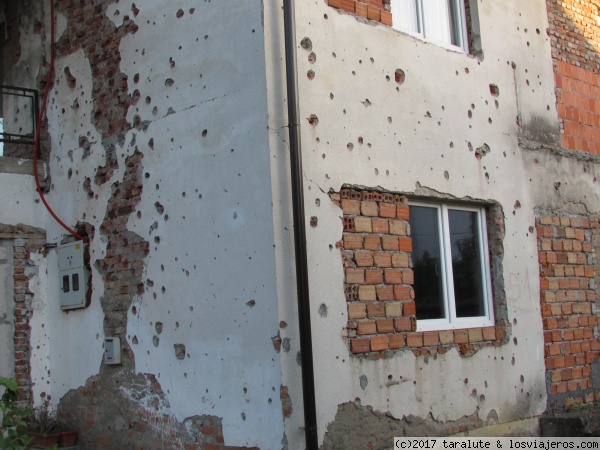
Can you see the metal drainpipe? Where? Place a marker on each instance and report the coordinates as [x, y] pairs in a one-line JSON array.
[[308, 377]]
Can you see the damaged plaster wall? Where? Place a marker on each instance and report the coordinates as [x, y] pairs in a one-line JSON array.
[[450, 124], [198, 133], [7, 327]]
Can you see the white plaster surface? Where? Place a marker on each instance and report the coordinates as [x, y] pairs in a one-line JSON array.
[[416, 135], [7, 329]]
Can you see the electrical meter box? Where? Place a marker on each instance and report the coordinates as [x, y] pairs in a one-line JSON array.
[[112, 350], [72, 275]]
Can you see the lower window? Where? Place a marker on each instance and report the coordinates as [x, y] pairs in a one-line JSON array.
[[451, 266]]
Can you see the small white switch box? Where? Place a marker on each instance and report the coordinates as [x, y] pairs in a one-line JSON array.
[[112, 350]]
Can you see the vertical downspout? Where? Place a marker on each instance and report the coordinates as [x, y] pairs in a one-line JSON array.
[[308, 377]]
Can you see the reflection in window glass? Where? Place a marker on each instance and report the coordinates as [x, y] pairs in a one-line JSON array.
[[466, 263], [426, 263]]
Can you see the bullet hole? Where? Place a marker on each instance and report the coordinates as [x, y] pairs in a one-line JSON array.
[[159, 208], [480, 152], [325, 16], [251, 303], [134, 341], [498, 105], [515, 341], [494, 90], [169, 82], [179, 13], [318, 202], [71, 80], [389, 119], [299, 358], [399, 76], [466, 381], [312, 58], [489, 120], [331, 95], [136, 78], [487, 176], [158, 327], [134, 310], [179, 351], [155, 111], [192, 10], [283, 324], [363, 381], [285, 343], [517, 204], [69, 173], [557, 185], [387, 78], [171, 62], [467, 70], [306, 44], [313, 120], [314, 221], [204, 133], [243, 416], [183, 194], [350, 146], [310, 74], [323, 310], [276, 340], [148, 100], [512, 361], [522, 379], [470, 114], [155, 341], [366, 103], [446, 175], [353, 73], [482, 398]]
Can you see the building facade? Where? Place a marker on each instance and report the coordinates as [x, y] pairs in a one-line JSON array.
[[449, 158]]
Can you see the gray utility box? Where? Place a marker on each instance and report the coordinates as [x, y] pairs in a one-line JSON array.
[[72, 275]]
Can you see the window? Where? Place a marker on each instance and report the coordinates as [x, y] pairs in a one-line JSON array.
[[451, 266], [439, 21]]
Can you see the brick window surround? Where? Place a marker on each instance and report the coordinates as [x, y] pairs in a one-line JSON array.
[[378, 280]]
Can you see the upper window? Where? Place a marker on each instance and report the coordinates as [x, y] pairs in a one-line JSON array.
[[451, 266], [439, 21]]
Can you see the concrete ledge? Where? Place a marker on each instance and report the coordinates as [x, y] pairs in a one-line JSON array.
[[519, 428]]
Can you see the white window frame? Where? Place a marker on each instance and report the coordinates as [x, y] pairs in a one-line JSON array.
[[422, 16], [450, 321]]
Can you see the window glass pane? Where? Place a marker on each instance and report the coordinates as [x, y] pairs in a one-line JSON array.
[[427, 267], [405, 15], [66, 283], [436, 20], [466, 263]]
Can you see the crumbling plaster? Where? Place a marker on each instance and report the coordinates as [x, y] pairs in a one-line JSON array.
[[372, 131]]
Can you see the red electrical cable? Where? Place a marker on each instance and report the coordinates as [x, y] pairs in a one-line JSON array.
[[36, 144]]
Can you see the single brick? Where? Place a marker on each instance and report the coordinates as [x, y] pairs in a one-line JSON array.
[[446, 337], [475, 335], [403, 212], [374, 276], [385, 326], [353, 241], [410, 308], [408, 276], [372, 243], [430, 338], [362, 224], [380, 226], [404, 324], [379, 343], [382, 259], [461, 336], [357, 311], [360, 345], [373, 13], [351, 207], [400, 260], [387, 210], [489, 333], [376, 310], [390, 243], [348, 5], [398, 227], [405, 245], [393, 309], [386, 17], [367, 293], [414, 339], [397, 341], [385, 293], [369, 209], [355, 276], [363, 259], [393, 276], [361, 9], [402, 293], [368, 327]]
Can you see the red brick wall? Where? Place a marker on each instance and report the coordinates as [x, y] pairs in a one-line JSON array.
[[566, 258], [376, 255], [574, 32]]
